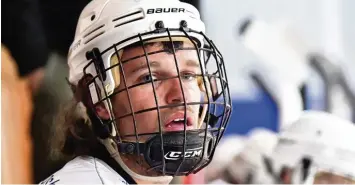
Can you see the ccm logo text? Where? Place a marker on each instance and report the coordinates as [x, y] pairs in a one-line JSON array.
[[176, 155]]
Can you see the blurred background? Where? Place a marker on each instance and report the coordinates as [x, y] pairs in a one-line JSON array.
[[324, 26], [282, 56]]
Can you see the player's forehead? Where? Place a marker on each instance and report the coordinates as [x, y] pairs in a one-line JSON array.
[[160, 51], [158, 46]]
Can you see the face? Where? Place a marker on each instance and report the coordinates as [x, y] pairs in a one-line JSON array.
[[168, 92]]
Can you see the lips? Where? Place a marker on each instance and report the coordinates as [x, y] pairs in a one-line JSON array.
[[176, 122]]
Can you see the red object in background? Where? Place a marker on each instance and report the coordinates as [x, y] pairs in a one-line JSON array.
[[198, 178]]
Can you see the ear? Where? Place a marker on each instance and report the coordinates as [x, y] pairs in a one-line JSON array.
[[102, 112]]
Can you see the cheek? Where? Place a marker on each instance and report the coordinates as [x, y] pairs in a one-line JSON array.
[[193, 93], [141, 98]]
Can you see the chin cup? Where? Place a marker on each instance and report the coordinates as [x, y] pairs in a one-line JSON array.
[[178, 162]]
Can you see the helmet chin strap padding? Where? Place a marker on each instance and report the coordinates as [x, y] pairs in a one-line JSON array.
[[196, 153]]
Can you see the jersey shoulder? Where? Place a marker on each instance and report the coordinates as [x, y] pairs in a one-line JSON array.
[[85, 170]]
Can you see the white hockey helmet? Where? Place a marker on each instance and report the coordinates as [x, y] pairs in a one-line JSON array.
[[120, 22], [316, 149]]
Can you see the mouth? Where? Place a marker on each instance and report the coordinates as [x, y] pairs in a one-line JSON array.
[[176, 122]]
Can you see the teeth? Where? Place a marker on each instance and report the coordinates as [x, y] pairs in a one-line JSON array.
[[179, 119]]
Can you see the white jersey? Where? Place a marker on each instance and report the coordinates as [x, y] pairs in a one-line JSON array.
[[85, 170]]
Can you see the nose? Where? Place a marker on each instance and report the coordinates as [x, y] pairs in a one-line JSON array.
[[174, 92]]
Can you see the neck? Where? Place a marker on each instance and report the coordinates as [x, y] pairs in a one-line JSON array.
[[141, 168], [139, 179]]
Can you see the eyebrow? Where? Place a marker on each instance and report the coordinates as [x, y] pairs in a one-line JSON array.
[[192, 63], [143, 65], [156, 64]]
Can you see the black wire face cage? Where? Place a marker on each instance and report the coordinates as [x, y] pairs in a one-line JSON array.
[[167, 153]]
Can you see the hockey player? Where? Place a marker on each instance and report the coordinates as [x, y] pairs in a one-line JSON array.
[[317, 149], [151, 95]]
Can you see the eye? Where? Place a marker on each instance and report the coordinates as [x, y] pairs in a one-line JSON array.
[[147, 78], [188, 76]]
